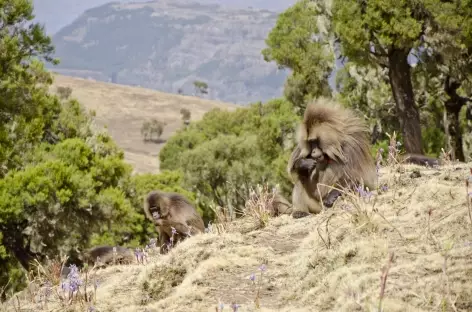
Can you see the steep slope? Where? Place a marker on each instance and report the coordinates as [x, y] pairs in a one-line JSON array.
[[168, 44], [333, 261], [123, 109]]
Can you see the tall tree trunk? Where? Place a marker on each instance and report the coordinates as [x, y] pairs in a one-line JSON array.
[[453, 107], [402, 89]]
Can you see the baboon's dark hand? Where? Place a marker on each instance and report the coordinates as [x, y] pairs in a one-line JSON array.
[[300, 214], [331, 198], [306, 165]]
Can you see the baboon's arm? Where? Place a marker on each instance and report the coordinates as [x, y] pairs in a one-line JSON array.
[[179, 227]]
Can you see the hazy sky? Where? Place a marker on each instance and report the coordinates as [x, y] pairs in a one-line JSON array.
[[56, 14]]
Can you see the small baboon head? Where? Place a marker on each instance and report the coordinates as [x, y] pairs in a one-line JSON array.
[[153, 205]]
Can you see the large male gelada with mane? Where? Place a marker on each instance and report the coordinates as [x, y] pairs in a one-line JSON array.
[[333, 150]]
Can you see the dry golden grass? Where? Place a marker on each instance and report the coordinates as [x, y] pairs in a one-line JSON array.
[[334, 261], [123, 109]]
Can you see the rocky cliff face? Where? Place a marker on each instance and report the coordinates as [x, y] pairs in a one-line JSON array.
[[167, 45]]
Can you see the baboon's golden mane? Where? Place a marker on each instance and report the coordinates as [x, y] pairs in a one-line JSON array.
[[341, 134]]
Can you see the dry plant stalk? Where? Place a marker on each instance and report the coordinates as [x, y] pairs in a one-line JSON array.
[[446, 157], [222, 220], [383, 279], [468, 195], [392, 149], [260, 206]]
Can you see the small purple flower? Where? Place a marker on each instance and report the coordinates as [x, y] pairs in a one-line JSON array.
[[74, 281], [174, 231], [363, 193], [384, 188], [262, 268], [235, 307], [252, 277]]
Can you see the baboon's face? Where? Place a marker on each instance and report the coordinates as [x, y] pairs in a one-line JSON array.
[[154, 209], [316, 151]]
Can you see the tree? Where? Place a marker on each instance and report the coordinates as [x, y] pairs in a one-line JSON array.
[[64, 92], [145, 130], [447, 56], [200, 87], [149, 128], [384, 32], [298, 43], [23, 82], [186, 115], [157, 127]]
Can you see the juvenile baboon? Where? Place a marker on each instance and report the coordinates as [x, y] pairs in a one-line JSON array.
[[106, 255], [421, 160], [172, 210], [332, 149]]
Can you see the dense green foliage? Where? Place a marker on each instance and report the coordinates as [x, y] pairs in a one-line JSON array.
[[226, 153], [64, 185]]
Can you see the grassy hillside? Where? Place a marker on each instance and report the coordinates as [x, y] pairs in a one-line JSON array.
[[124, 108], [168, 44], [409, 245]]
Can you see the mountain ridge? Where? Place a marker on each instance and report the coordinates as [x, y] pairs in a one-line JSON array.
[[167, 45]]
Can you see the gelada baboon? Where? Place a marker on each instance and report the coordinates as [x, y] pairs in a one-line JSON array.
[[421, 160], [103, 256], [106, 255], [332, 149], [172, 210]]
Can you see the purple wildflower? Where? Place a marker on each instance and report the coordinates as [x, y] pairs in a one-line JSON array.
[[262, 268], [235, 307], [252, 277], [363, 193], [74, 281]]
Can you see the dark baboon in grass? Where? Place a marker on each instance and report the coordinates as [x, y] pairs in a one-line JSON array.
[[333, 150], [109, 255], [172, 211]]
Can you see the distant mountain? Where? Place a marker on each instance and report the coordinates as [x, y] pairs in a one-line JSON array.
[[167, 45], [56, 14]]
